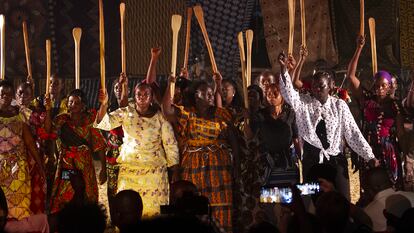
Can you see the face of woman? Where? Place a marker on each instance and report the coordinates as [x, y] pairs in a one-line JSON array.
[[55, 85], [205, 95], [228, 91], [394, 85], [254, 99], [24, 96], [6, 97], [381, 87], [143, 97], [75, 104], [320, 88], [117, 91], [273, 96], [265, 81]]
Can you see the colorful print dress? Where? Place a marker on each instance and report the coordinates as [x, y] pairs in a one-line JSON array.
[[206, 161], [379, 129], [14, 167], [149, 148], [75, 144], [35, 119]]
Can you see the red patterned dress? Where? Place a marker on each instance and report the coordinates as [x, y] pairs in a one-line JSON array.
[[76, 143]]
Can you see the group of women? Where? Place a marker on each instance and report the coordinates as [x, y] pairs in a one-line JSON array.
[[202, 134]]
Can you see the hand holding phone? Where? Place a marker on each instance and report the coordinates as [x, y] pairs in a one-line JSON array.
[[283, 193]]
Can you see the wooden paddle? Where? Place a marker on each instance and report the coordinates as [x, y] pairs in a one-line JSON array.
[[361, 18], [291, 8], [240, 41], [48, 65], [27, 52], [123, 55], [371, 22], [77, 34], [2, 47], [175, 26], [187, 37], [249, 41], [303, 21], [102, 45], [198, 11]]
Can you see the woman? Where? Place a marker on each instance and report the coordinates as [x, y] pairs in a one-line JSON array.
[[324, 122], [231, 98], [149, 148], [206, 160], [77, 141], [35, 118], [15, 139], [381, 115]]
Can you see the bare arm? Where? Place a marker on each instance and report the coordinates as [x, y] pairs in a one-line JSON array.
[[123, 80], [409, 100], [167, 104], [217, 94], [352, 67], [31, 147], [297, 83], [48, 118], [152, 68]]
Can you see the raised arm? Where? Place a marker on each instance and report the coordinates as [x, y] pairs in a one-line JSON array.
[[217, 94], [290, 95], [408, 102], [167, 103], [105, 121], [297, 83], [291, 64], [123, 82], [352, 67], [152, 68]]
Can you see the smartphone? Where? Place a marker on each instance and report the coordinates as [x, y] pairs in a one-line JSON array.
[[283, 193], [66, 174]]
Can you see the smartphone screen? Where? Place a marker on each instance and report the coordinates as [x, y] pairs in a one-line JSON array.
[[283, 194], [66, 174]]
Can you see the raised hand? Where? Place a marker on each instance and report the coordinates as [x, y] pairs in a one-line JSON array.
[[103, 97], [47, 102], [184, 73], [303, 51], [155, 52], [360, 41], [123, 79], [291, 62], [217, 78]]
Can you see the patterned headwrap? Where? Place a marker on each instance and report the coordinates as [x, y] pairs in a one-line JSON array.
[[383, 74]]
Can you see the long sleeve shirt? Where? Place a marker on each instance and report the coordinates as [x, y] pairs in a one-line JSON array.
[[340, 123]]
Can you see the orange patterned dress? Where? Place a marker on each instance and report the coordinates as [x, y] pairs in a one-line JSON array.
[[206, 161]]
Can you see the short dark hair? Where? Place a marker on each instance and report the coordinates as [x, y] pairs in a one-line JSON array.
[[79, 93], [5, 83], [257, 89]]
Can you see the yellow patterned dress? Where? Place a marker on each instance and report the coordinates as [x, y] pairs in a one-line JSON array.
[[14, 168], [149, 148]]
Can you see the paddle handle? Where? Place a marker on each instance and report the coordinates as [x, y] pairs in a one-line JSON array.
[[187, 37], [123, 50], [2, 47], [102, 45], [371, 22], [27, 50], [48, 65]]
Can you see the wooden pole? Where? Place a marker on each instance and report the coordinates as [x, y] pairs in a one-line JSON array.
[[102, 45], [243, 68], [303, 21], [291, 8], [187, 37], [27, 51], [361, 18], [77, 34], [249, 41], [48, 65], [123, 55], [2, 47], [371, 22], [198, 11], [175, 26]]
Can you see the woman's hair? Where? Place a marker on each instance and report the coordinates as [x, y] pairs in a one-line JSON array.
[[264, 73], [182, 83], [143, 84], [384, 74], [79, 93], [257, 89], [25, 86], [192, 92], [237, 99], [6, 84]]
